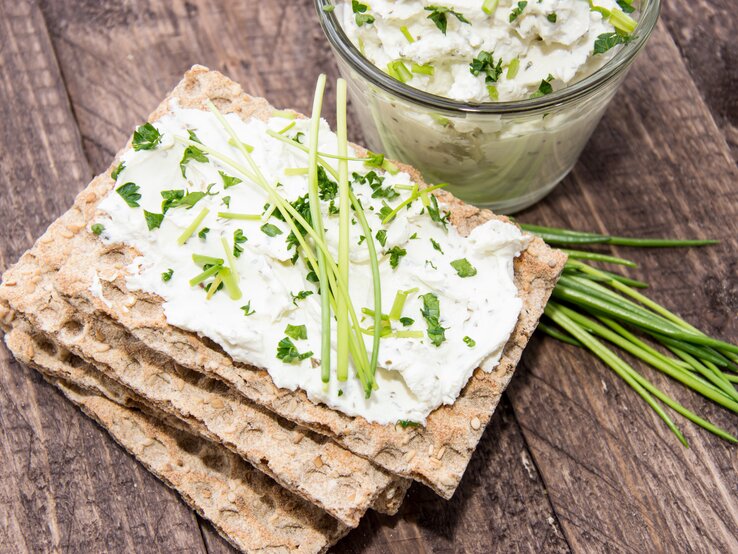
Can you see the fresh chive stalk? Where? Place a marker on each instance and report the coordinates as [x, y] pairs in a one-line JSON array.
[[205, 275], [201, 260], [406, 33], [292, 171], [591, 302], [344, 203], [243, 217], [192, 227], [513, 68], [424, 69], [399, 303], [489, 6], [622, 22]]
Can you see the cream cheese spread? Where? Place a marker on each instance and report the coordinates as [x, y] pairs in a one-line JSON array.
[[478, 312], [535, 41]]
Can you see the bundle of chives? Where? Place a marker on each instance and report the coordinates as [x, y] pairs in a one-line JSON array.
[[591, 305]]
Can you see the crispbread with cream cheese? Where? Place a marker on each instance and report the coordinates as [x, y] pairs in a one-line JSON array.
[[250, 510], [436, 454]]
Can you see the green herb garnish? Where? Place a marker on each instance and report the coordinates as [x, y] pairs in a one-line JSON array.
[[435, 213], [551, 17], [226, 201], [238, 239], [288, 353], [191, 153], [544, 88], [625, 5], [436, 246], [270, 230], [327, 188], [485, 63], [489, 6], [203, 234], [431, 312], [605, 41], [439, 16], [167, 275], [464, 268], [97, 228], [153, 221], [395, 254], [146, 137], [177, 197], [361, 17], [129, 193], [405, 423], [247, 311], [192, 227], [470, 342], [375, 182], [407, 321], [228, 180], [381, 237], [120, 167], [297, 332], [517, 10], [302, 295]]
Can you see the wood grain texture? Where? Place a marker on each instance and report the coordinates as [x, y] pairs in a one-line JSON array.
[[619, 481], [64, 486], [615, 479]]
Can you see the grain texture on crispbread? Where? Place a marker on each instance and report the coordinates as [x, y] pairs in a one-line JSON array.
[[436, 455], [250, 510]]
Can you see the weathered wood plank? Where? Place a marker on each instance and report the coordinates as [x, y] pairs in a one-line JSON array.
[[705, 33], [107, 62], [618, 480], [64, 486]]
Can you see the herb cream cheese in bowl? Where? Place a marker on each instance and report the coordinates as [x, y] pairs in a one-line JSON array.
[[495, 97]]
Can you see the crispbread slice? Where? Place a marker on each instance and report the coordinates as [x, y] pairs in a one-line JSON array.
[[304, 462], [436, 455], [250, 510]]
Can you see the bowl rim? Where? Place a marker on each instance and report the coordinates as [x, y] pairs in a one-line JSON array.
[[622, 59]]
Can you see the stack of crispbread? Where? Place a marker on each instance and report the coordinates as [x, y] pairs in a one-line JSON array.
[[269, 468]]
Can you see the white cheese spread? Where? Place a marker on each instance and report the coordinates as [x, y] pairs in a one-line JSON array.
[[548, 40], [414, 376]]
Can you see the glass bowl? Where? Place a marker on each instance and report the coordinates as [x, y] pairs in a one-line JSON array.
[[504, 155]]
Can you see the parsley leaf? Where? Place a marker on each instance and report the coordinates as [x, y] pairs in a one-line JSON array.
[[203, 234], [146, 137], [288, 353], [375, 182], [192, 153], [361, 16], [297, 332], [129, 193], [302, 295], [517, 10], [177, 197], [405, 423], [167, 275], [247, 309], [439, 16], [97, 228], [228, 180], [470, 342], [485, 63], [625, 6], [120, 167], [153, 221], [436, 246], [381, 237], [552, 17], [544, 88], [464, 268], [435, 213], [407, 321], [384, 212], [395, 254], [238, 239], [270, 230], [227, 201], [327, 188], [432, 312], [605, 41]]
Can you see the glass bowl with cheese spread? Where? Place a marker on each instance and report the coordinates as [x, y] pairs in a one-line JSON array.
[[495, 98]]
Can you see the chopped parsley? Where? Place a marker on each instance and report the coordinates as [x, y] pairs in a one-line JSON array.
[[470, 342], [327, 188], [436, 246], [297, 332], [544, 88], [332, 208], [192, 153], [464, 268], [517, 10], [407, 321], [228, 180], [405, 423], [226, 200], [435, 213], [439, 16], [432, 312], [605, 41], [288, 353], [97, 228], [375, 182], [384, 211], [177, 197], [120, 167], [153, 221], [430, 263], [203, 234], [361, 17], [247, 311], [413, 236], [381, 237], [270, 230], [485, 64], [146, 137], [362, 238], [302, 295], [129, 193], [625, 5], [551, 17], [395, 254], [167, 275], [238, 239]]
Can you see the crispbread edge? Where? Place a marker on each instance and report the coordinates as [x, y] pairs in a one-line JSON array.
[[437, 454]]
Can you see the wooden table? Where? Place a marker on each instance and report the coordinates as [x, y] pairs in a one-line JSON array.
[[573, 459]]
